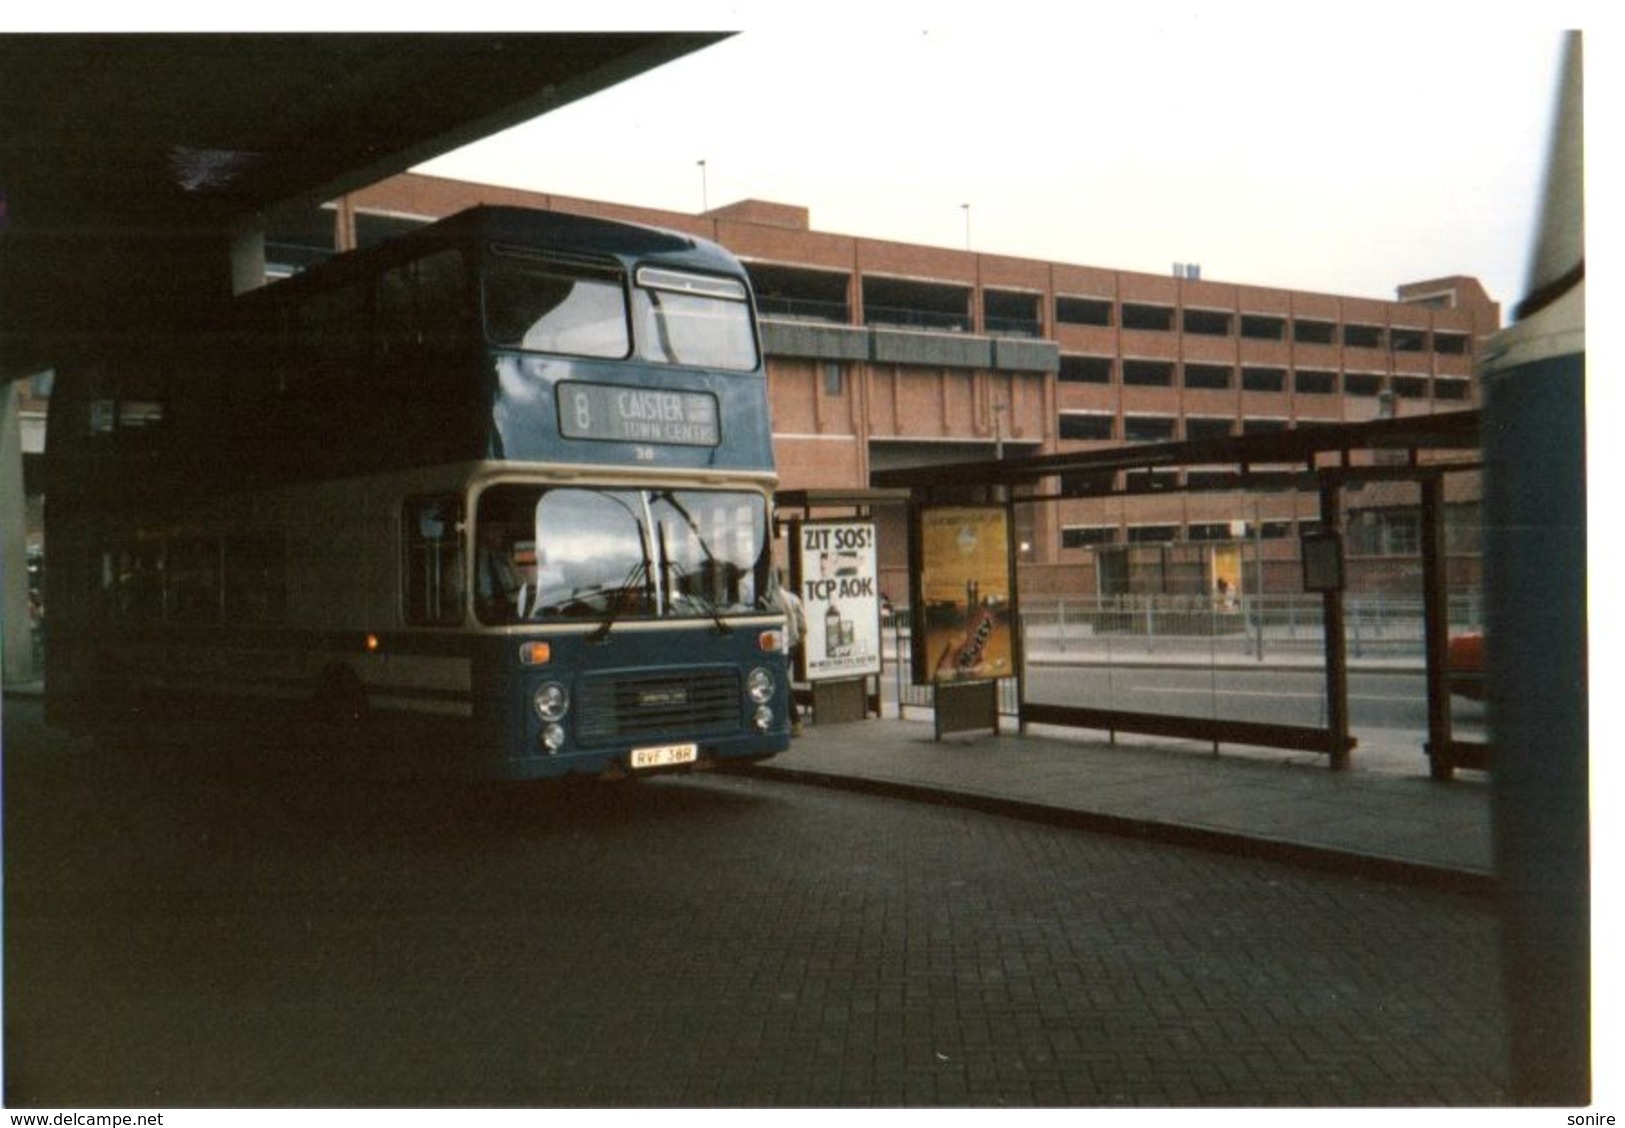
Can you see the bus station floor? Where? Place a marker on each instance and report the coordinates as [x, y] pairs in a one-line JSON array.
[[1383, 817]]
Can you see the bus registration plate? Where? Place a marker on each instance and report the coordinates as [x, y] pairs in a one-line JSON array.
[[665, 755]]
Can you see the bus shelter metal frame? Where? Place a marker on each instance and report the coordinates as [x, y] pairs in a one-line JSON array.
[[1324, 458]]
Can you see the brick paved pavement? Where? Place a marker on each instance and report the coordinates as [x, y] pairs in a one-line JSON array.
[[1382, 817], [243, 938]]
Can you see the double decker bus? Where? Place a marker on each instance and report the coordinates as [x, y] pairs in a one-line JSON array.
[[491, 499]]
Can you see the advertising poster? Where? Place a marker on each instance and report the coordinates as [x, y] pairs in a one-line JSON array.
[[836, 574], [1226, 576], [963, 627]]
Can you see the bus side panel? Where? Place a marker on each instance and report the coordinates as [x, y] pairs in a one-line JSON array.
[[328, 554]]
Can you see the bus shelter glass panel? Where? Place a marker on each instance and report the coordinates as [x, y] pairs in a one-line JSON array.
[[1201, 618]]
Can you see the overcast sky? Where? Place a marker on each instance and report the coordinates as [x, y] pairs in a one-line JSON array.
[[1346, 159]]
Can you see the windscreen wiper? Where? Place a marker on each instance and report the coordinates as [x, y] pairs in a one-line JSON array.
[[709, 607], [639, 578], [694, 597]]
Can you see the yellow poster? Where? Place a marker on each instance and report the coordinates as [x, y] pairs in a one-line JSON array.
[[1226, 576], [963, 629]]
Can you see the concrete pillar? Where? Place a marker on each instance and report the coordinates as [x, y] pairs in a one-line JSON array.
[[15, 623], [1535, 645]]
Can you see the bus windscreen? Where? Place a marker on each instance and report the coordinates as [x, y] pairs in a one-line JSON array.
[[574, 552]]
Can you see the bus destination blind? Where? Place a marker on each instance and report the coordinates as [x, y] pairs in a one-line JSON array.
[[616, 413]]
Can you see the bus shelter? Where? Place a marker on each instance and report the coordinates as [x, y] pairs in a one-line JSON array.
[[1324, 460]]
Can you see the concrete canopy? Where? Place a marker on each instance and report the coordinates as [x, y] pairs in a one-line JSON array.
[[116, 148], [137, 173]]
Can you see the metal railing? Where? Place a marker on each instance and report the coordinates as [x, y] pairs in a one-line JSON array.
[[1376, 624], [1013, 327], [804, 309], [897, 318]]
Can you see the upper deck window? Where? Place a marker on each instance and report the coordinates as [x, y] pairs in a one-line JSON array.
[[580, 309], [556, 307], [698, 319], [110, 415], [126, 399]]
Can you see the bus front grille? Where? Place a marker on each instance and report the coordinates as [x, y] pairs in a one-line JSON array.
[[637, 706]]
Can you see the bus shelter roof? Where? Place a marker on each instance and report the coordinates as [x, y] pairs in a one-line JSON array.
[[812, 499], [1322, 451]]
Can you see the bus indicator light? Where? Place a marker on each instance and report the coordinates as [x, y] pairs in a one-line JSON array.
[[536, 653], [771, 642], [372, 644]]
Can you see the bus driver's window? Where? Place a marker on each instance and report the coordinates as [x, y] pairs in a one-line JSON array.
[[432, 531], [496, 580]]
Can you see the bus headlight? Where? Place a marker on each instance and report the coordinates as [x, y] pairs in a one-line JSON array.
[[764, 718], [552, 701], [553, 737], [760, 686]]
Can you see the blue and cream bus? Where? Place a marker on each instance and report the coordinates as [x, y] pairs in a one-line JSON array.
[[493, 498]]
